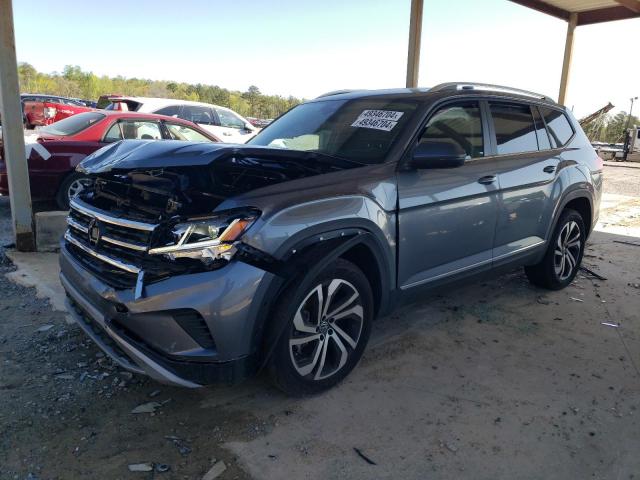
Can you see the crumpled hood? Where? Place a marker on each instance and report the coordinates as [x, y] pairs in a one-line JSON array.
[[145, 154], [130, 154]]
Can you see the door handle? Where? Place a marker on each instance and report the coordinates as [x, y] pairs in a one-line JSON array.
[[549, 169], [489, 179]]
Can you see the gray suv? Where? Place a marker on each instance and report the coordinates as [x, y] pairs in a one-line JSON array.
[[200, 263]]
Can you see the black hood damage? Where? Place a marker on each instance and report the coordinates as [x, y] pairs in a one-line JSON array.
[[155, 180]]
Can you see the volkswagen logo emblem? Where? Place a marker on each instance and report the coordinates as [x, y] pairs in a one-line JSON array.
[[93, 231]]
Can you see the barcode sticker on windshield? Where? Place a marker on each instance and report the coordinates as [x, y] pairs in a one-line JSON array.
[[378, 119]]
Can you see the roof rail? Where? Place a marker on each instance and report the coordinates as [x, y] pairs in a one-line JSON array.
[[336, 92], [488, 87]]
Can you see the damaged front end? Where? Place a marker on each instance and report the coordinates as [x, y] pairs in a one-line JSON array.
[[151, 213]]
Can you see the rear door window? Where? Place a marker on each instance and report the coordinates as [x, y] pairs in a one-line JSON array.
[[198, 114], [460, 124], [171, 111], [541, 131], [558, 125], [514, 128]]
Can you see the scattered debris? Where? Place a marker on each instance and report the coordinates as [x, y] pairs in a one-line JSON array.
[[215, 471], [451, 447], [155, 393], [543, 301], [608, 324], [149, 407], [141, 467], [592, 273], [576, 299], [45, 328], [162, 467], [363, 456], [627, 243], [183, 448]]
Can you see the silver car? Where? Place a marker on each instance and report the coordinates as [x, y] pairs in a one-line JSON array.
[[201, 263]]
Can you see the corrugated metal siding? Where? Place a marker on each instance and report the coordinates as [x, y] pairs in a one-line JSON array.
[[581, 5]]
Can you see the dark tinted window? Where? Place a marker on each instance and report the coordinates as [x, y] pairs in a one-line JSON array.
[[169, 111], [558, 125], [197, 114], [515, 131], [74, 124], [541, 131], [458, 124]]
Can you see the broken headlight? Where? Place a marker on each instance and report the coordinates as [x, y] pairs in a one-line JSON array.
[[207, 239]]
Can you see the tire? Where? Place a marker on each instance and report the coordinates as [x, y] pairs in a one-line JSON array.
[[315, 351], [562, 260], [69, 187]]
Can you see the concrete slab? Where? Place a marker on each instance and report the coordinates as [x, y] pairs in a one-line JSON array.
[[494, 380], [50, 226], [39, 270]]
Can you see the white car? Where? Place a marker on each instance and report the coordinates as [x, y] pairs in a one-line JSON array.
[[224, 123]]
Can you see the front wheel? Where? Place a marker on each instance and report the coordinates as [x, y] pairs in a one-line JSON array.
[[326, 330], [562, 260]]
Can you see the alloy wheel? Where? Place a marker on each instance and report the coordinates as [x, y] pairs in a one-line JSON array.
[[567, 251], [326, 329], [78, 186]]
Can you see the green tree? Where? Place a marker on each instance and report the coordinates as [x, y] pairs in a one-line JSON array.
[[74, 82], [613, 131]]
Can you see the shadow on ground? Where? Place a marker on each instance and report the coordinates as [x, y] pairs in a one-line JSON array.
[[492, 380]]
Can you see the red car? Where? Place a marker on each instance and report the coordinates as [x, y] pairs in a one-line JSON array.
[[40, 110], [64, 144]]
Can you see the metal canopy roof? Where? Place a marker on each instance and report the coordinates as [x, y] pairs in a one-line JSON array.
[[588, 11]]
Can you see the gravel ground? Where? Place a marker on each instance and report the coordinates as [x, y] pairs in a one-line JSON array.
[[493, 380], [623, 179]]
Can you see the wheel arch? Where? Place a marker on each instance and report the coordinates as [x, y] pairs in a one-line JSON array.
[[581, 200], [306, 259], [582, 205]]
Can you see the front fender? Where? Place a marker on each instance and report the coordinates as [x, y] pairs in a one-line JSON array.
[[278, 233], [304, 263]]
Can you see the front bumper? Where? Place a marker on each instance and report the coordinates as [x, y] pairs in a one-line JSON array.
[[143, 336]]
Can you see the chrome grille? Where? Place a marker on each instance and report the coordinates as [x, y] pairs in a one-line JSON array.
[[112, 246]]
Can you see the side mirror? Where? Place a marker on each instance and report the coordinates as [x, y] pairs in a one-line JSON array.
[[248, 126], [438, 155]]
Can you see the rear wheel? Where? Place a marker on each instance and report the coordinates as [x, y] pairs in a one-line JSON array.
[[562, 260], [70, 187], [326, 331]]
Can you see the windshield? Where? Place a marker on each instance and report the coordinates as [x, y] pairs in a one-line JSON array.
[[362, 130], [74, 124]]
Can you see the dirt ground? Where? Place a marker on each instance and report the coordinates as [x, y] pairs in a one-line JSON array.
[[492, 380]]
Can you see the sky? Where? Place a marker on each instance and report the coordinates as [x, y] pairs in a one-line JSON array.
[[305, 48]]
